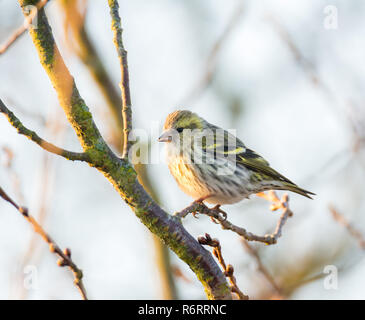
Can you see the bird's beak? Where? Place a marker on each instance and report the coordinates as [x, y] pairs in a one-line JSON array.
[[165, 136]]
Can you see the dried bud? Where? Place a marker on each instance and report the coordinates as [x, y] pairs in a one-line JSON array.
[[215, 243], [61, 263], [202, 240], [285, 198], [52, 247], [229, 270], [67, 252], [208, 237], [24, 211]]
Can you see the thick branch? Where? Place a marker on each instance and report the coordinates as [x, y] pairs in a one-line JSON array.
[[81, 43], [65, 256], [16, 123], [124, 84], [216, 214], [120, 172], [70, 100]]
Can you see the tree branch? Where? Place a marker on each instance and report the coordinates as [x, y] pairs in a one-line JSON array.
[[207, 75], [82, 45], [27, 21], [124, 84], [262, 269], [17, 124], [216, 214], [356, 234], [228, 269], [65, 256], [120, 172]]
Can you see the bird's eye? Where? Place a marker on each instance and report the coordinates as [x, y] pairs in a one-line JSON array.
[[179, 130]]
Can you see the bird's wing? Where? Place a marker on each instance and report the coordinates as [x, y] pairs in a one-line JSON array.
[[225, 144], [251, 160]]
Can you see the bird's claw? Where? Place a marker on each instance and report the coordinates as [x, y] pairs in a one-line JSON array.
[[214, 220], [195, 214]]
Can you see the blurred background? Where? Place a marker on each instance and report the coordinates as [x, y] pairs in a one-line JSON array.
[[288, 76]]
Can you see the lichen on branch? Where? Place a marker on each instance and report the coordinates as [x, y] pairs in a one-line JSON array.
[[120, 172]]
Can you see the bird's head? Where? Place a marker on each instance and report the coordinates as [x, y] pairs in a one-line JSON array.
[[176, 122]]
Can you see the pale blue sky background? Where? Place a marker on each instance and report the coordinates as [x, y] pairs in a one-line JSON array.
[[284, 117]]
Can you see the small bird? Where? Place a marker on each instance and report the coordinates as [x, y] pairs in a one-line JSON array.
[[210, 164]]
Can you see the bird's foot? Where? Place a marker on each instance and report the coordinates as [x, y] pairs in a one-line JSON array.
[[200, 203], [195, 214]]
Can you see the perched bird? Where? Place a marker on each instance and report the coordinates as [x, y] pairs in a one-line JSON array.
[[210, 164]]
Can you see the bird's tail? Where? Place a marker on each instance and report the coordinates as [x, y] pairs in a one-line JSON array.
[[294, 188]]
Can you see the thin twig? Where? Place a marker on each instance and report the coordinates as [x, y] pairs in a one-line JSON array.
[[57, 129], [65, 256], [310, 70], [261, 268], [14, 177], [356, 234], [216, 214], [17, 124], [211, 62], [27, 22], [124, 84], [228, 268], [306, 65], [119, 171]]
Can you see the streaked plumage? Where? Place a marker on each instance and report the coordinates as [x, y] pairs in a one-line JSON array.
[[210, 164]]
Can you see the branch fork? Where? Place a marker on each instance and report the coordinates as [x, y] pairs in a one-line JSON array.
[[228, 268]]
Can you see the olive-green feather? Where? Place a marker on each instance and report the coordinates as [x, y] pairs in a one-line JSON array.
[[251, 160], [255, 162]]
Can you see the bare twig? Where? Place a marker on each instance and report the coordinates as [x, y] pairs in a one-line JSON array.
[[261, 268], [65, 255], [216, 214], [306, 65], [79, 41], [15, 122], [57, 129], [177, 272], [309, 69], [211, 62], [9, 165], [119, 171], [27, 22], [124, 84], [228, 268], [356, 234]]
